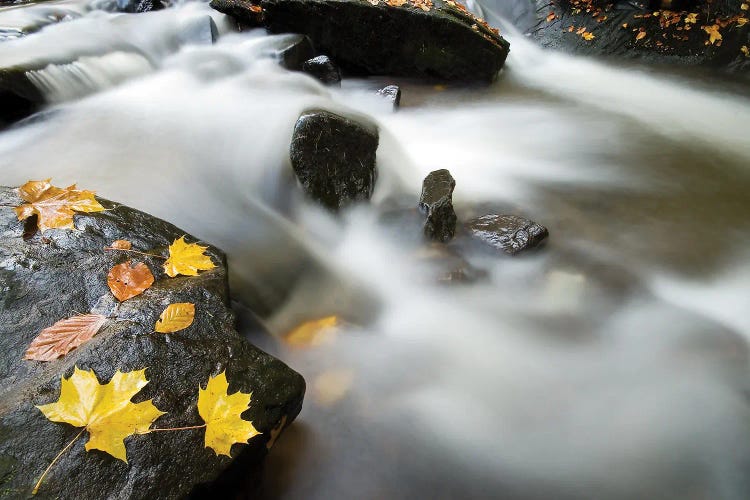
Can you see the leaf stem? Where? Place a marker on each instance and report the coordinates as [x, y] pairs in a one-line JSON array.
[[170, 429], [44, 474], [136, 251]]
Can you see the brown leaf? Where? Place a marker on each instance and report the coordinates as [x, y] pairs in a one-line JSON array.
[[64, 336], [126, 282], [550, 17], [121, 245]]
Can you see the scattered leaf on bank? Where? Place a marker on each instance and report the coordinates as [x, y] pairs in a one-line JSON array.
[[64, 336], [176, 317], [395, 3], [187, 259], [691, 18], [313, 333], [121, 245], [745, 50], [551, 17], [744, 6], [105, 410], [641, 34], [221, 412], [126, 282], [713, 33], [588, 36], [54, 206]]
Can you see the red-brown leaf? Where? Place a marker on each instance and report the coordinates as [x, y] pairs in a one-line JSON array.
[[126, 282], [64, 336]]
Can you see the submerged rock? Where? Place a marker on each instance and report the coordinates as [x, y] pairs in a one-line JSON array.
[[334, 158], [436, 201], [508, 233], [422, 38], [391, 93], [323, 69], [47, 278]]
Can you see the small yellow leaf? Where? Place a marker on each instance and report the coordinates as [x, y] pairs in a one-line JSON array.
[[105, 410], [744, 6], [187, 259], [640, 35], [713, 33], [588, 36], [745, 50], [691, 18], [176, 317], [741, 21], [54, 206], [221, 413]]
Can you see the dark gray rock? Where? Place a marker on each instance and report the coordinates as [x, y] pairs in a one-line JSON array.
[[334, 158], [247, 14], [294, 56], [392, 93], [436, 201], [508, 233], [52, 276], [440, 40], [20, 98], [323, 69]]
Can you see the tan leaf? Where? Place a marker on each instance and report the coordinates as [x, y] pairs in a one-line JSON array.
[[54, 206], [126, 282], [640, 35], [64, 336], [176, 317], [121, 245], [713, 33]]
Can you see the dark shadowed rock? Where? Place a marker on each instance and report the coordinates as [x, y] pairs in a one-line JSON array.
[[247, 14], [138, 6], [294, 56], [392, 93], [52, 276], [323, 69], [436, 201], [334, 158], [508, 233], [19, 96], [422, 38]]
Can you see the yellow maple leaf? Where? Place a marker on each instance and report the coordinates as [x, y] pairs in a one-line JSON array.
[[176, 317], [744, 6], [745, 50], [104, 410], [588, 36], [54, 206], [221, 413], [186, 258], [691, 18], [713, 33]]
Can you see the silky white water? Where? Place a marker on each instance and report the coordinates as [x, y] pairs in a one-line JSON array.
[[610, 364]]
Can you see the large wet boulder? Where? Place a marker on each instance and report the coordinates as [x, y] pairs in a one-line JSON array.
[[50, 276], [420, 38], [696, 32], [334, 158], [510, 234], [436, 202]]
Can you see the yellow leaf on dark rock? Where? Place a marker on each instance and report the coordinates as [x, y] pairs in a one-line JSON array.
[[54, 206], [187, 259], [176, 317]]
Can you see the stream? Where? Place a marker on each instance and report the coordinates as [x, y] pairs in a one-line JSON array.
[[611, 363]]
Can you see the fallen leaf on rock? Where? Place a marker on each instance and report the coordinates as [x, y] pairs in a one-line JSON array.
[[121, 245], [745, 50], [54, 206], [104, 410], [744, 6], [187, 259], [640, 35], [221, 412], [550, 17], [64, 336], [395, 3], [176, 317], [713, 33], [126, 282], [588, 36]]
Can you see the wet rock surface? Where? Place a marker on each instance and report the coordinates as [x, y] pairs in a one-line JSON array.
[[323, 69], [246, 13], [420, 38], [334, 158], [294, 56], [507, 233], [52, 276], [436, 201], [664, 31], [392, 93]]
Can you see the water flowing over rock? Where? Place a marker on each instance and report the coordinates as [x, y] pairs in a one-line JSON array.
[[334, 158], [392, 93], [47, 278], [436, 201], [508, 233], [323, 69], [421, 38], [294, 56]]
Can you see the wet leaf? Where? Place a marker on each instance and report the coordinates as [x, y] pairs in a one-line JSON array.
[[54, 206], [691, 18], [221, 413], [64, 336], [313, 333], [121, 245], [187, 258], [176, 317], [640, 35], [551, 17], [713, 33], [588, 36], [105, 410], [126, 282]]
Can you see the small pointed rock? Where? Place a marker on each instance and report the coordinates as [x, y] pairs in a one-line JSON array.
[[323, 69]]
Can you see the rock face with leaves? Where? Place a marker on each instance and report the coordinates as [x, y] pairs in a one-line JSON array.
[[56, 275]]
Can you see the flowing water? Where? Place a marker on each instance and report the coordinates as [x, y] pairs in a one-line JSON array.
[[612, 363]]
